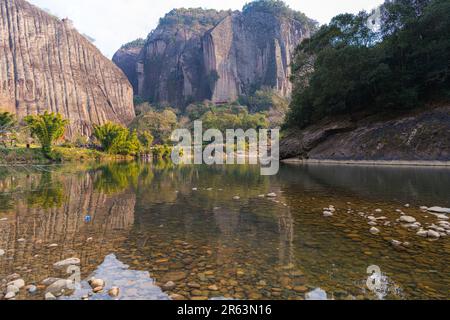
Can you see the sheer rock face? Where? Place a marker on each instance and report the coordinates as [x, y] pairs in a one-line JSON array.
[[235, 55], [126, 59], [45, 64]]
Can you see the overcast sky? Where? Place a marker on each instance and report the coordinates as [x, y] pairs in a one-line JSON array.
[[113, 23]]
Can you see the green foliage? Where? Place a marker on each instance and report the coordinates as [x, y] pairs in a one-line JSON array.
[[278, 8], [232, 117], [7, 126], [49, 193], [192, 17], [47, 128], [162, 152], [137, 100], [160, 124], [116, 177], [116, 139], [146, 139], [346, 68], [135, 43]]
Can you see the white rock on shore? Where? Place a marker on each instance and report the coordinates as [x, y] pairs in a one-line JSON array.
[[10, 295], [374, 231], [49, 296], [439, 210], [327, 214], [422, 233], [19, 283], [407, 219], [433, 234], [2, 253]]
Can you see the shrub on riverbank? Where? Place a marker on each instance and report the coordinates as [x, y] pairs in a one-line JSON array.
[[34, 155], [47, 128], [116, 139]]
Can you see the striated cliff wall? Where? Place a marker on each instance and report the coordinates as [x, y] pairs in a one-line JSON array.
[[197, 55], [45, 64]]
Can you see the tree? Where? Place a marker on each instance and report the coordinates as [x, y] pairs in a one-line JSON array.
[[146, 139], [159, 124], [7, 124], [344, 68], [47, 128], [116, 139]]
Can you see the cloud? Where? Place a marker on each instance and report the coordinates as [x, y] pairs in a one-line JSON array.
[[115, 22]]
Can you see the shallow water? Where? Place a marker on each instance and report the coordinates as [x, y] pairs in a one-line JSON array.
[[149, 224]]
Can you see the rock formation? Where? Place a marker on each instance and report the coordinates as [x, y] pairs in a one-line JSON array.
[[127, 57], [45, 64], [196, 55], [418, 135]]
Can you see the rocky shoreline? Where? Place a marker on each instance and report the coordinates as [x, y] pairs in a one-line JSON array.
[[392, 163], [420, 137]]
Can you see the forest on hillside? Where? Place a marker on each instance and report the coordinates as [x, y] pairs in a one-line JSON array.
[[353, 65]]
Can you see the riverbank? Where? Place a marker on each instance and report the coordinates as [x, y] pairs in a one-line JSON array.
[[420, 136], [393, 163], [34, 155]]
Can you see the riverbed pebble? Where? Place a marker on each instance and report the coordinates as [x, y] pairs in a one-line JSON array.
[[10, 295], [66, 263], [19, 283], [407, 219], [58, 287], [12, 288], [374, 230], [31, 289], [96, 283], [272, 195], [236, 198], [327, 214], [169, 285], [396, 243], [49, 296], [433, 234], [114, 292], [422, 233], [439, 210], [2, 252]]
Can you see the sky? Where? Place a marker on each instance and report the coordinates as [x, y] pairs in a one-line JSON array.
[[113, 23]]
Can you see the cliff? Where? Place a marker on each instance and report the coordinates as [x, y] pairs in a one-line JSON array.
[[417, 135], [45, 64], [196, 55], [127, 57]]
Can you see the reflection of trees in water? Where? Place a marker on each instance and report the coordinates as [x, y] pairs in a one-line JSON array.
[[50, 208], [116, 177], [48, 193]]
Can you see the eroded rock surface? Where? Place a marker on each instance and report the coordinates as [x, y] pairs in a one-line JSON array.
[[45, 64], [418, 135], [215, 55]]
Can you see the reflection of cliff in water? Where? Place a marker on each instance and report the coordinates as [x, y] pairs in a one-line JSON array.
[[428, 185], [50, 208]]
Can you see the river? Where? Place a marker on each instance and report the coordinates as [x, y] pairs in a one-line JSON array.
[[158, 231]]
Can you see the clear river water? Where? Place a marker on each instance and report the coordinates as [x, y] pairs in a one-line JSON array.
[[158, 231]]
